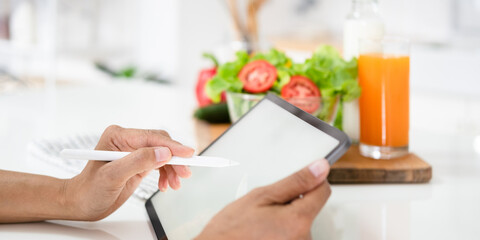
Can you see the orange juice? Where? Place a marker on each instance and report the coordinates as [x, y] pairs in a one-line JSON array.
[[384, 102]]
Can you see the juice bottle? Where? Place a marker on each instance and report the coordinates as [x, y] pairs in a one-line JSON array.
[[363, 21]]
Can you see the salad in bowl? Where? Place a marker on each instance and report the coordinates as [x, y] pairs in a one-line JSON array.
[[318, 85]]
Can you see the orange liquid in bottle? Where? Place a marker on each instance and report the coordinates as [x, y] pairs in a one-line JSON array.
[[384, 103]]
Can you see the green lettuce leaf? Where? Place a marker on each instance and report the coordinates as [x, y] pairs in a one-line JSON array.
[[274, 57], [283, 76], [226, 78], [333, 75]]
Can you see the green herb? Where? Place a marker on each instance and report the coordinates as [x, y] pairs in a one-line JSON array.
[[127, 72]]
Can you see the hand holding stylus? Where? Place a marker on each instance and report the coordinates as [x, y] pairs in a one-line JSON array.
[[102, 187]]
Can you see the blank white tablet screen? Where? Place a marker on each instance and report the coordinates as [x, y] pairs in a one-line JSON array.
[[270, 143]]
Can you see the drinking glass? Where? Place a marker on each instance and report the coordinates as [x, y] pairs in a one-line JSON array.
[[383, 75]]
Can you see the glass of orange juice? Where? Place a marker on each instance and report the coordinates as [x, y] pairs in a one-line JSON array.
[[383, 75]]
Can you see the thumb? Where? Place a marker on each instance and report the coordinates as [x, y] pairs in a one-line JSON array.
[[298, 183], [139, 161]]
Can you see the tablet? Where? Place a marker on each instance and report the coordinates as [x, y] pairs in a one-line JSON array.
[[271, 141]]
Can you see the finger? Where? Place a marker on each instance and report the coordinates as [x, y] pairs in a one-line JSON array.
[[139, 161], [105, 142], [313, 201], [154, 138], [298, 183], [182, 171], [163, 180], [173, 179], [144, 174], [177, 148], [162, 132]]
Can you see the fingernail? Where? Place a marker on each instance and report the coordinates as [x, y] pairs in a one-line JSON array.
[[191, 149], [165, 186], [189, 173], [177, 180], [162, 154], [318, 167]]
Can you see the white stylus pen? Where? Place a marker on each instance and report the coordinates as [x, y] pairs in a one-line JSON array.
[[200, 161]]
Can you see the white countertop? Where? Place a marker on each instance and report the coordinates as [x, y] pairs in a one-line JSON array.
[[446, 208]]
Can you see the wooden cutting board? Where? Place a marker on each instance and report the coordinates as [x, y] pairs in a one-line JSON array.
[[355, 168], [352, 167]]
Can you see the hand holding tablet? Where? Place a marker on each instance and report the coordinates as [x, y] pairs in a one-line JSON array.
[[275, 211], [272, 141]]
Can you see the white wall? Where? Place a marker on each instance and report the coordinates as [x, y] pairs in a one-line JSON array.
[[168, 36], [156, 35], [204, 25], [424, 20]]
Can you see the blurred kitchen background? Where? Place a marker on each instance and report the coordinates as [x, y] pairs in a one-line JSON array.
[[51, 43]]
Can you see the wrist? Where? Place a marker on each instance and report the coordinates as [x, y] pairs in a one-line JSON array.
[[49, 199], [68, 201], [63, 202]]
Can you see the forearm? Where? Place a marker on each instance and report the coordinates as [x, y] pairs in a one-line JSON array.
[[29, 197]]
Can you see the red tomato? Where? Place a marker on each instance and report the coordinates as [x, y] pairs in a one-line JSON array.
[[203, 77], [258, 76], [303, 93]]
